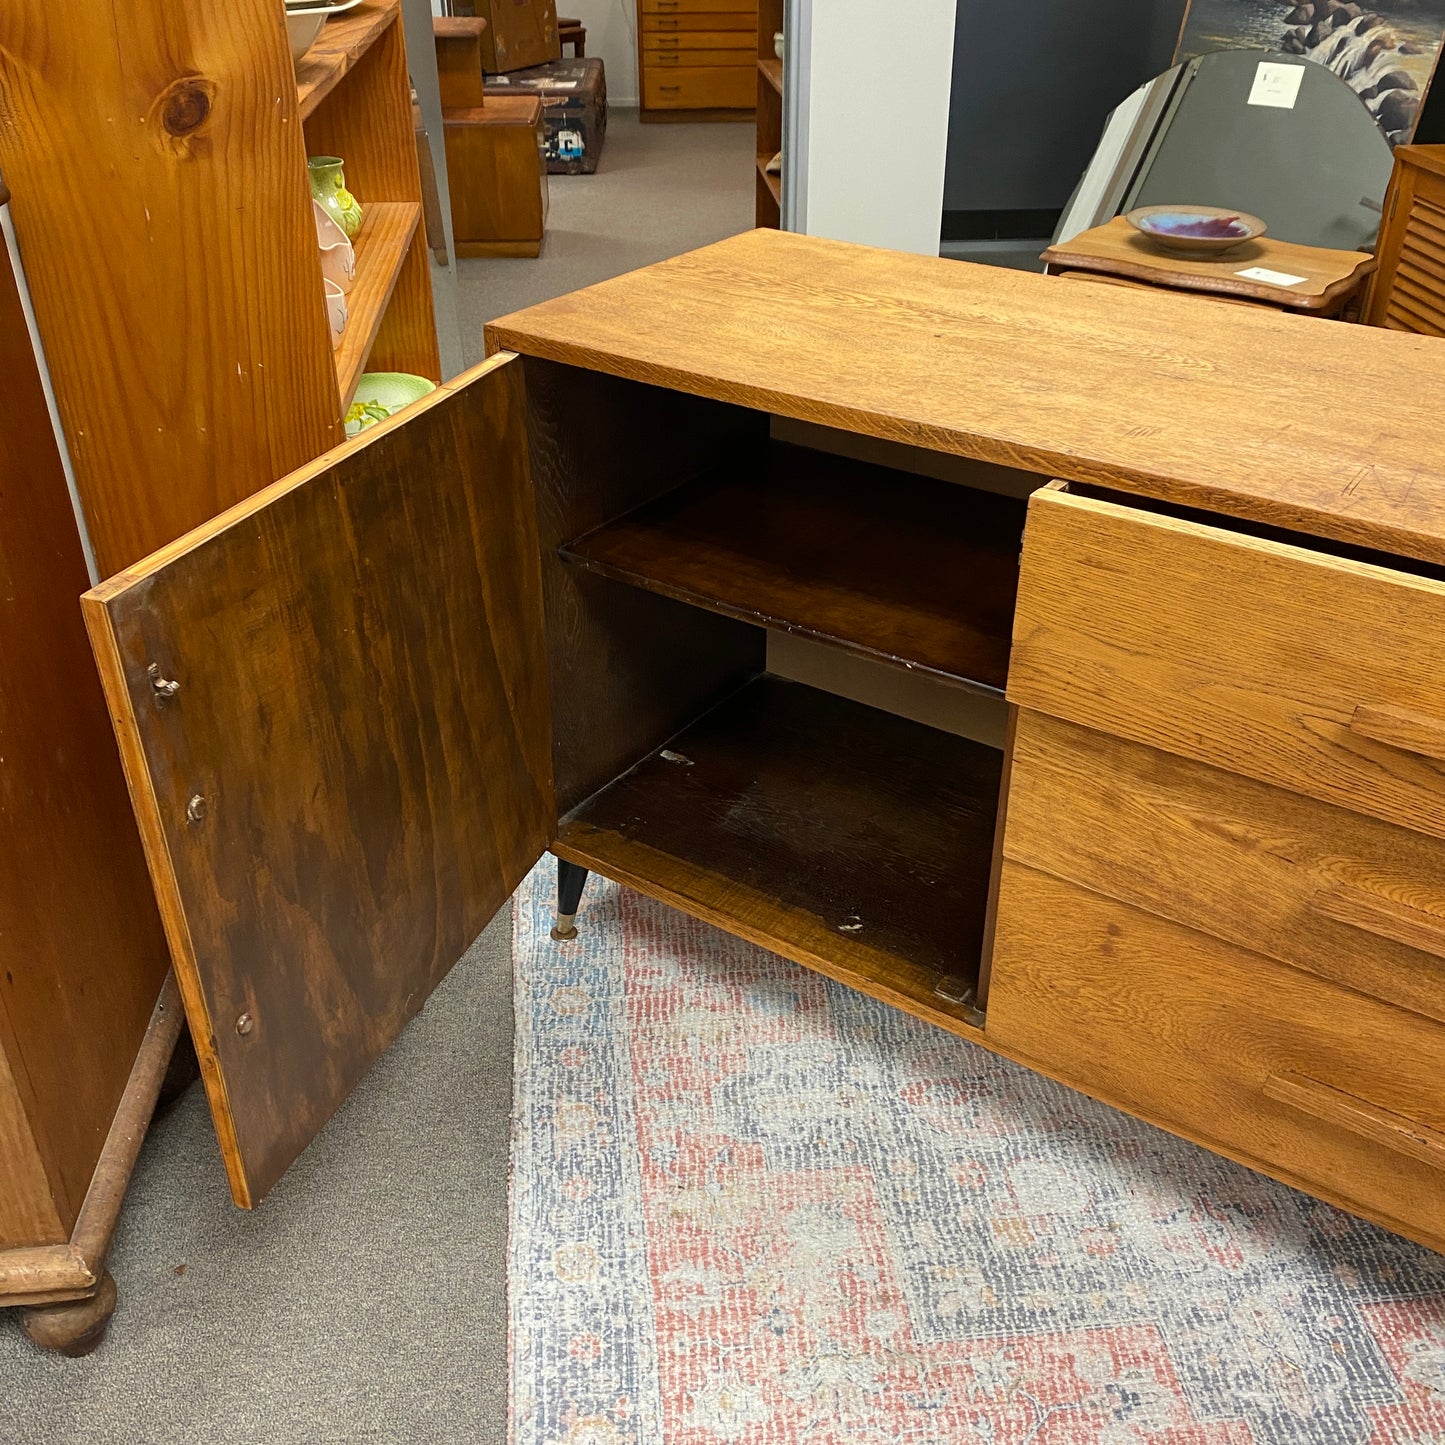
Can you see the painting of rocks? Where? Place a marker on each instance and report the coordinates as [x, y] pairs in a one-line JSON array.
[[1386, 52]]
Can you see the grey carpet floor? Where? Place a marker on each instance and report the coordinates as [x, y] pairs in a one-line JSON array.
[[366, 1299]]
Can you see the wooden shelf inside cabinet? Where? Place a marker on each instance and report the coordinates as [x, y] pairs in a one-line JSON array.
[[908, 570], [772, 72], [772, 182], [843, 837], [344, 39], [381, 249]]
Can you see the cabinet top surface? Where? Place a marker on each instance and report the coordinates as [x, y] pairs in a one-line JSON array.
[[1313, 425]]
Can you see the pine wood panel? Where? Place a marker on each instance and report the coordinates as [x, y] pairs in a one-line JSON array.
[[908, 570], [1328, 891], [344, 39], [354, 773], [1275, 1068], [1079, 382], [385, 240], [1252, 655], [875, 862], [81, 951], [164, 219]]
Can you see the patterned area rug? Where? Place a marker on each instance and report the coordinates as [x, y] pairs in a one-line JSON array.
[[751, 1206]]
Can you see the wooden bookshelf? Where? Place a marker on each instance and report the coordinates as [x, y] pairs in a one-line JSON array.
[[772, 182], [903, 569], [194, 260], [772, 72], [852, 840]]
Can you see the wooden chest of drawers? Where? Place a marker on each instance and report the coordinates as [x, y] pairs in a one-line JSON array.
[[1223, 844], [697, 59]]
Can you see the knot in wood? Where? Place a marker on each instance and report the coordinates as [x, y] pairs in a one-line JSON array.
[[185, 104]]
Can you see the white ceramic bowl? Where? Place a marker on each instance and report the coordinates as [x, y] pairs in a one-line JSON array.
[[335, 312], [304, 22], [338, 255]]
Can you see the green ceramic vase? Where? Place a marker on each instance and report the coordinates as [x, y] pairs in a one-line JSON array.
[[328, 185]]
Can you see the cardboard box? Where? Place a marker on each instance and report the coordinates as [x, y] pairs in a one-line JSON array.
[[574, 100]]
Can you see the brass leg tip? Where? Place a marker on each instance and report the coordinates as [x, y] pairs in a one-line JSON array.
[[564, 930]]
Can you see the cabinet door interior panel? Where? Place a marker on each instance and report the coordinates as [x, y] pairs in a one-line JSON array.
[[1322, 1088], [333, 715], [1267, 659], [1339, 894], [628, 669], [904, 569]]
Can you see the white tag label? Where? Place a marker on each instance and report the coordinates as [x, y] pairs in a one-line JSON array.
[[1271, 278], [1277, 85]]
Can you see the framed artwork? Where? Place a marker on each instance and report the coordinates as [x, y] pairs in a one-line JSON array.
[[1385, 51]]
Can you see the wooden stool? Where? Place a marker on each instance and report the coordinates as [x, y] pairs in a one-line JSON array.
[[573, 33], [1311, 280]]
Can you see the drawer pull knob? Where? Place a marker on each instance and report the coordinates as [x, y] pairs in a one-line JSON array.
[[1359, 1116], [1384, 917], [1411, 732]]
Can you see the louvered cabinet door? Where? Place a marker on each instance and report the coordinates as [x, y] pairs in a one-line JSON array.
[[1408, 293]]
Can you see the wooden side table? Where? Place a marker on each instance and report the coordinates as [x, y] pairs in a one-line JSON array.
[[1325, 283]]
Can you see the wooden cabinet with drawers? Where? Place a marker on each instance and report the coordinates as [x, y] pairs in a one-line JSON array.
[[1200, 879], [697, 59]]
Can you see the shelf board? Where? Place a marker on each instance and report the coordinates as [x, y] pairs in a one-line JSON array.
[[908, 570], [773, 183], [344, 39], [381, 248], [772, 71], [844, 838]]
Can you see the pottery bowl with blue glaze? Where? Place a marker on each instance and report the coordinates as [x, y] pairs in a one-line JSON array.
[[1195, 230]]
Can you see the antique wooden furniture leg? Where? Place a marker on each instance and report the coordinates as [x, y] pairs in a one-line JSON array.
[[67, 1294], [571, 880]]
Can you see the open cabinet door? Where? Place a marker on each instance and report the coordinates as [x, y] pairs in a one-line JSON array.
[[332, 707]]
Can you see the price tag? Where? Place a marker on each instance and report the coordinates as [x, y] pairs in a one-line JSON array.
[[1277, 85], [1271, 278]]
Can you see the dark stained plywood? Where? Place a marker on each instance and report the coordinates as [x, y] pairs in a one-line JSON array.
[[903, 569], [363, 711], [82, 956], [843, 837], [1221, 407]]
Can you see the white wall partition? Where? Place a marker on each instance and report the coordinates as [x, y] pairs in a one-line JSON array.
[[868, 89]]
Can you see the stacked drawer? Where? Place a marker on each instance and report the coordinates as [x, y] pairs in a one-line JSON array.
[[1222, 904], [698, 54]]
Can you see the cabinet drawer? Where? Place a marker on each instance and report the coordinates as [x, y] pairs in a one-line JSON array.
[[1324, 1089], [740, 29], [697, 87], [662, 58], [1342, 895], [748, 9], [1316, 673]]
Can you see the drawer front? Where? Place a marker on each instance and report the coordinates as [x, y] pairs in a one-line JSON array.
[[699, 87], [668, 42], [1320, 675], [1345, 896], [671, 59], [746, 8], [1324, 1089], [739, 27]]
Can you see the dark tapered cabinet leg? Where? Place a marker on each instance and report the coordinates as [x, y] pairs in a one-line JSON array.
[[571, 880]]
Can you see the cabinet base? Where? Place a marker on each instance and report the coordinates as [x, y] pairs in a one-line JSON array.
[[76, 1327]]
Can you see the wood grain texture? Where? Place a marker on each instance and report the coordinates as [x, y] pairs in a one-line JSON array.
[[458, 40], [81, 950], [904, 569], [518, 35], [1187, 1032], [833, 831], [1328, 279], [387, 232], [44, 1274], [164, 219], [1082, 382], [1408, 291], [1234, 858], [1245, 653], [344, 39], [363, 715], [1343, 1110], [628, 669], [497, 173]]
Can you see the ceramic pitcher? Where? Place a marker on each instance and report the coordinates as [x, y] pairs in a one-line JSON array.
[[328, 185]]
